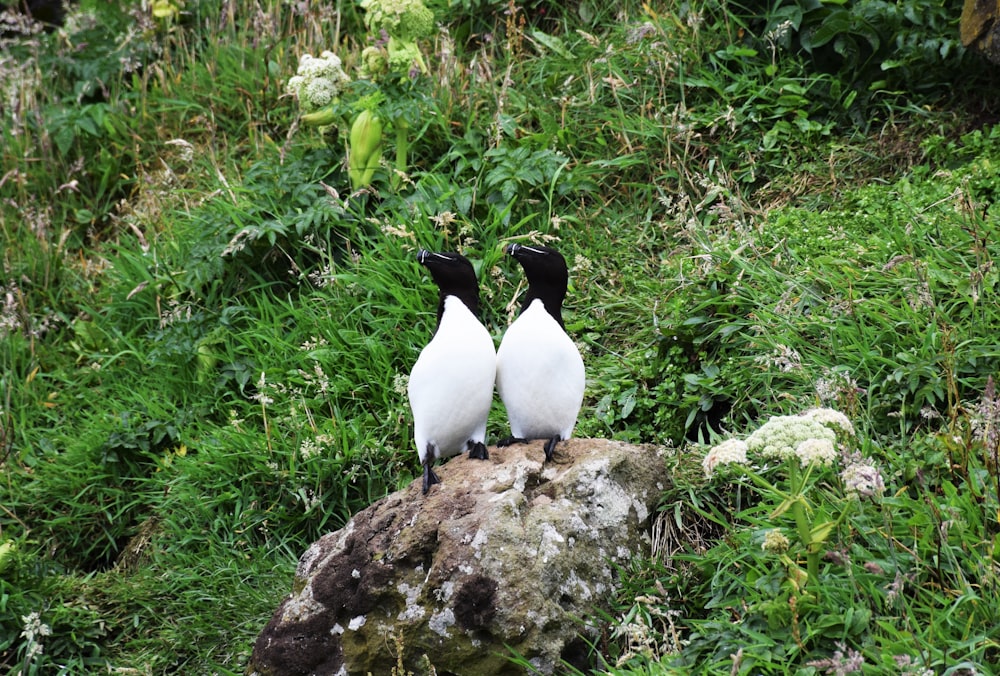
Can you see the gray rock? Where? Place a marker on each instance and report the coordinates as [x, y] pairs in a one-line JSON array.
[[505, 552], [979, 29]]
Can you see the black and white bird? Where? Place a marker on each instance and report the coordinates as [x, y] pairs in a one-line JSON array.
[[540, 373], [451, 383]]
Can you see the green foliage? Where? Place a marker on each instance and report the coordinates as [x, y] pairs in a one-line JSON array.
[[205, 334], [745, 602], [873, 44]]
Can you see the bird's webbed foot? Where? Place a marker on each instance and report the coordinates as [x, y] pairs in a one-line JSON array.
[[477, 450], [550, 447]]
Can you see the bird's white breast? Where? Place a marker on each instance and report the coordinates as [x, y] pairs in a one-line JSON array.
[[451, 384], [540, 376]]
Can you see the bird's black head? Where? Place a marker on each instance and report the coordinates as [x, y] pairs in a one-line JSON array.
[[548, 276], [454, 276]]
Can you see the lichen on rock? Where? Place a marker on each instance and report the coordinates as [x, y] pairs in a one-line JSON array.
[[506, 554]]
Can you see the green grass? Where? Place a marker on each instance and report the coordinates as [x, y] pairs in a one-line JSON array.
[[205, 334]]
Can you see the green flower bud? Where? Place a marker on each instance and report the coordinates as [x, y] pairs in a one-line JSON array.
[[374, 62], [365, 149], [320, 118]]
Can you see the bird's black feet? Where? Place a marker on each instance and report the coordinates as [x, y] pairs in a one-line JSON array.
[[477, 450], [511, 440], [430, 478], [550, 447]]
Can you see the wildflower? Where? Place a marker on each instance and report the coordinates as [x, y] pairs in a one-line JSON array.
[[374, 62], [10, 315], [260, 395], [318, 81], [582, 264], [320, 379], [929, 413], [840, 664], [783, 357], [904, 661], [404, 22], [400, 383], [986, 419], [309, 449], [775, 542], [313, 343], [639, 33], [780, 436], [862, 479], [34, 628], [728, 452], [894, 589], [780, 33], [321, 278], [397, 231], [820, 451], [831, 418], [444, 221]]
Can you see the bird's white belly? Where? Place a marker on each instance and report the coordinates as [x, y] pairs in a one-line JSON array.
[[451, 390], [540, 378]]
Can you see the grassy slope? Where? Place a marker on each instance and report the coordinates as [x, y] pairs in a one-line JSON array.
[[204, 364]]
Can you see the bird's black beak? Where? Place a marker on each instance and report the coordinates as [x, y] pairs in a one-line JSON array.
[[511, 249], [422, 256]]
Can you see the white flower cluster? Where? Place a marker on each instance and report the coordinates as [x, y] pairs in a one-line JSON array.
[[311, 448], [831, 418], [862, 479], [33, 629], [318, 81], [811, 437], [819, 451], [775, 542], [780, 436], [730, 451]]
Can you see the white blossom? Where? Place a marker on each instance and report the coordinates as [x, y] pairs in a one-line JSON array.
[[729, 451], [862, 479], [318, 80], [775, 542], [820, 451], [831, 418], [780, 436]]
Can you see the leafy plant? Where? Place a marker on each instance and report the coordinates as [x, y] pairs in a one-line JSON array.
[[204, 336]]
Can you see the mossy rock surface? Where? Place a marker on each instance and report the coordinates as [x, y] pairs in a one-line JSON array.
[[502, 553]]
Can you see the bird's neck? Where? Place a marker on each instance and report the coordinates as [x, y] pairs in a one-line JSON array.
[[470, 301], [552, 303]]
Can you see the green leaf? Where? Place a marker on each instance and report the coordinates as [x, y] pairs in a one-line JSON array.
[[821, 532], [552, 43]]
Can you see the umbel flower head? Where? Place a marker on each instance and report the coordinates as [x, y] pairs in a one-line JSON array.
[[819, 451], [775, 542], [810, 437], [730, 451], [862, 478], [835, 420], [780, 436], [404, 22], [318, 81]]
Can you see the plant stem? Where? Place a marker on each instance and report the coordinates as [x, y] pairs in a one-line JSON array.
[[798, 509], [805, 535], [402, 146]]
